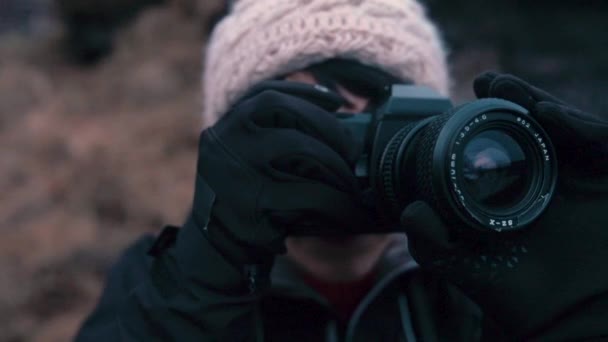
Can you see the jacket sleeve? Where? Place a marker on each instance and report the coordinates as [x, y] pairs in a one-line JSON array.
[[187, 292]]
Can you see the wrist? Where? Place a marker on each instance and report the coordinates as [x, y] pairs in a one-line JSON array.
[[188, 259]]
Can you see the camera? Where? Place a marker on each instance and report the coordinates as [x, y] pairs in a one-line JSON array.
[[486, 164]]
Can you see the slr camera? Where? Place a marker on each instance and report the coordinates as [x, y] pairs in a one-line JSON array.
[[486, 164]]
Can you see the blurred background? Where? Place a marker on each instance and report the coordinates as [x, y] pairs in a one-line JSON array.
[[99, 118]]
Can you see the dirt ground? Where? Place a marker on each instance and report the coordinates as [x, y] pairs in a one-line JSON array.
[[91, 158]]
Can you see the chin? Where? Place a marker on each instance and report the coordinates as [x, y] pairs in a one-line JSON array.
[[337, 257], [338, 244], [340, 239]]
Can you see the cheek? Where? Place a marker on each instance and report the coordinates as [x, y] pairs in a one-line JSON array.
[[302, 77]]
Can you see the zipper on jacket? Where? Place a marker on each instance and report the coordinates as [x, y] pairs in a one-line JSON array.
[[251, 274], [375, 291], [406, 318], [331, 331]]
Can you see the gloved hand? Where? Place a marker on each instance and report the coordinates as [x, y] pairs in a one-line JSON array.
[[549, 280], [279, 162]]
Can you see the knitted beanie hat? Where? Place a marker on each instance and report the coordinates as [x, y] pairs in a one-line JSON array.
[[262, 39]]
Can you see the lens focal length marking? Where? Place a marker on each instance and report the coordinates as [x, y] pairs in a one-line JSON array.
[[469, 127]]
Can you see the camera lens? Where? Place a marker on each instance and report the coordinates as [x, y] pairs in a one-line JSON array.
[[486, 163], [494, 170]]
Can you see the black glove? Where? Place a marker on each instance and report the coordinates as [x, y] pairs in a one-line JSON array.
[[278, 163], [549, 280]]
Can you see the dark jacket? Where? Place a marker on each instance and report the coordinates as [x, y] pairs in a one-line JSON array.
[[405, 304]]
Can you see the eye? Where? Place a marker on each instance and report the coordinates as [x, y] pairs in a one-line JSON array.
[[354, 103]]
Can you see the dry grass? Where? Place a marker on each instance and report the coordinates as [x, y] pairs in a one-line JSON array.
[[91, 159]]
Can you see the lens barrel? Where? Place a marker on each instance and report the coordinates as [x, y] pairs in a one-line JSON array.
[[487, 164]]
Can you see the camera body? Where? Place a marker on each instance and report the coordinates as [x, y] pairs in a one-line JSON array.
[[487, 163], [405, 105]]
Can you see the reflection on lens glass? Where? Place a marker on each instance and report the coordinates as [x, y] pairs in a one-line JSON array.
[[494, 170]]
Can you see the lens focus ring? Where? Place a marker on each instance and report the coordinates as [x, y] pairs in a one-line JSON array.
[[389, 173], [424, 165]]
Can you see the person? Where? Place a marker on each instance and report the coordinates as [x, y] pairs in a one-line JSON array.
[[280, 244]]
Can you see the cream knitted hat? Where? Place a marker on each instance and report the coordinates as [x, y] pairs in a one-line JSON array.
[[262, 39]]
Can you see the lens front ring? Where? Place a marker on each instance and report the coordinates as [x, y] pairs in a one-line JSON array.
[[448, 184]]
